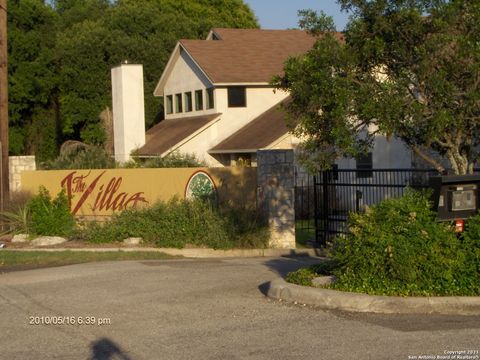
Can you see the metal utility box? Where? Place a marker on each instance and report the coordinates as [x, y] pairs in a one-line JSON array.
[[455, 197]]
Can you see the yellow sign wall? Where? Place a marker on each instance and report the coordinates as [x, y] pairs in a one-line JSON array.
[[106, 191]]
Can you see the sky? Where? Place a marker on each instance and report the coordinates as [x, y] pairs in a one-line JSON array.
[[282, 14]]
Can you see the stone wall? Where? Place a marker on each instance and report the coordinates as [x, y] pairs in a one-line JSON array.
[[17, 165], [276, 195]]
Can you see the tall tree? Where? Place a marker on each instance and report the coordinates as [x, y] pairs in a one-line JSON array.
[[61, 52], [139, 31], [404, 68], [32, 78]]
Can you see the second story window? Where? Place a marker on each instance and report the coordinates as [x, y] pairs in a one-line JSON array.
[[237, 96], [169, 104], [178, 103], [188, 101], [199, 100], [210, 99]]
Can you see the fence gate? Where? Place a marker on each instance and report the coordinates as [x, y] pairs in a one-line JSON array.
[[339, 192]]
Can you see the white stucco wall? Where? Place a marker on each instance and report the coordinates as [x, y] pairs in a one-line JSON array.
[[386, 154], [185, 76], [128, 110], [259, 100]]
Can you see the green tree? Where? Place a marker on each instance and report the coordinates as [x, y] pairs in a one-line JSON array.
[[32, 78], [404, 68], [61, 53], [103, 34]]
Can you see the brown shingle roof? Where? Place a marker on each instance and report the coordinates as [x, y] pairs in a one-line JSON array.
[[247, 55], [257, 134], [170, 132]]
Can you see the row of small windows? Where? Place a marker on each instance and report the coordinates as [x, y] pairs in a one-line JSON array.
[[237, 97], [184, 102]]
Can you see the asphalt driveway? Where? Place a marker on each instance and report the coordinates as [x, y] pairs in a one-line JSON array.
[[201, 309]]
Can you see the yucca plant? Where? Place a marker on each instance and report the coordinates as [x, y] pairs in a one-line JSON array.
[[15, 221]]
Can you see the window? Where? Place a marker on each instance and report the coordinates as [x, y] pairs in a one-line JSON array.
[[199, 100], [364, 163], [210, 99], [237, 96], [178, 103], [188, 101], [169, 104]]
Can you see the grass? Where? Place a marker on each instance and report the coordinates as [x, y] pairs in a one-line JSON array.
[[23, 260], [304, 233]]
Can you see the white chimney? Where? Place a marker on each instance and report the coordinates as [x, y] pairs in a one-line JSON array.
[[128, 110]]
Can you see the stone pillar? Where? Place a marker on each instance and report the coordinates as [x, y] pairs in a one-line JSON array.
[[17, 165], [276, 195]]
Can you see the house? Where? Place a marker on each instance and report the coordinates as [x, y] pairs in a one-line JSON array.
[[220, 105]]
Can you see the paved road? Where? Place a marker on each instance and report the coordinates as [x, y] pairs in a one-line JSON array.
[[201, 309]]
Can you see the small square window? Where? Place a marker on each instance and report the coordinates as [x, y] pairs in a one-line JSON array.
[[169, 104], [199, 100], [210, 99], [364, 164], [178, 103], [237, 96], [188, 101]]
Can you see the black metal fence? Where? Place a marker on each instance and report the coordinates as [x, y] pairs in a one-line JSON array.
[[323, 202]]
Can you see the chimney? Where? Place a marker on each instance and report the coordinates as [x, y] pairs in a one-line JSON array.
[[128, 110]]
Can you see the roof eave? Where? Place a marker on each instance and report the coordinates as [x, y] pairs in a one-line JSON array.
[[243, 83], [161, 83], [233, 151]]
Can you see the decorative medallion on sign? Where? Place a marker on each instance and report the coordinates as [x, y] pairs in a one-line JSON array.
[[201, 186]]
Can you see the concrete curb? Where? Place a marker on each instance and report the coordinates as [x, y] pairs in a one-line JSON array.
[[354, 302], [194, 253]]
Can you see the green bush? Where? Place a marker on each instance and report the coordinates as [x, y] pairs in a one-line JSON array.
[[398, 248], [81, 156], [181, 222], [50, 216], [172, 160]]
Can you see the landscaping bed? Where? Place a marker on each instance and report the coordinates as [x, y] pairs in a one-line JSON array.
[[199, 223], [397, 248]]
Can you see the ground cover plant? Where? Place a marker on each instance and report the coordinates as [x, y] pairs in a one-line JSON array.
[[398, 248], [179, 223]]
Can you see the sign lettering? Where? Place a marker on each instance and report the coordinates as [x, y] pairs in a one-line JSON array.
[[107, 193]]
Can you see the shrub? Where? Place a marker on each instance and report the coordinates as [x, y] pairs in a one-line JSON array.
[[181, 222], [80, 156], [398, 248], [172, 160], [15, 219], [50, 216]]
